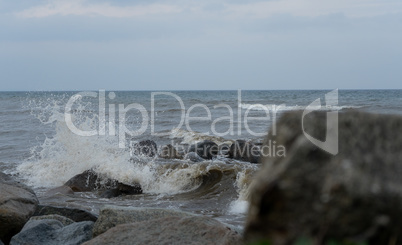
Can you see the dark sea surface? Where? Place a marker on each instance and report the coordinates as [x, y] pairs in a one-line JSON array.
[[38, 147]]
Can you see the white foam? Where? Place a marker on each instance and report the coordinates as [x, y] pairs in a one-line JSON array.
[[238, 207], [63, 155], [192, 137]]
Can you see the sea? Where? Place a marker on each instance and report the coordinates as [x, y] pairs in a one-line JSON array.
[[46, 138]]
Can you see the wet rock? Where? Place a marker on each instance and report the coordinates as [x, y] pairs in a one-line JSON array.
[[224, 149], [64, 220], [194, 157], [111, 216], [74, 214], [206, 149], [146, 148], [355, 195], [17, 204], [52, 231], [170, 230], [244, 151], [90, 181], [169, 152], [122, 189]]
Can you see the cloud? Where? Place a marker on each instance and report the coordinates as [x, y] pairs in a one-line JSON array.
[[81, 7], [217, 9]]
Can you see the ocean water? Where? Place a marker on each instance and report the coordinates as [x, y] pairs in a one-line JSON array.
[[39, 147]]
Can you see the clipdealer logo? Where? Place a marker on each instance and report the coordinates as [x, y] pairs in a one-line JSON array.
[[330, 144]]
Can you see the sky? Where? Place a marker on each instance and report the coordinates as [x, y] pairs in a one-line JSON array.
[[200, 45]]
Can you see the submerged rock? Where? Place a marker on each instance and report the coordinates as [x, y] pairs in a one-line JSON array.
[[170, 230], [52, 231], [169, 152], [146, 148], [244, 151], [111, 216], [91, 181], [74, 214], [17, 204], [206, 149], [355, 195]]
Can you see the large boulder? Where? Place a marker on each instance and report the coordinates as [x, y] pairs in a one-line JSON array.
[[90, 181], [147, 148], [170, 230], [206, 149], [355, 195], [17, 204], [74, 214], [111, 216], [51, 231], [244, 151]]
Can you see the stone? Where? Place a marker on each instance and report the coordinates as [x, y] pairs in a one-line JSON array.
[[110, 216], [122, 189], [74, 214], [170, 230], [355, 195], [52, 231], [206, 149], [63, 220], [17, 204], [90, 181], [244, 151], [169, 152], [147, 148], [194, 157]]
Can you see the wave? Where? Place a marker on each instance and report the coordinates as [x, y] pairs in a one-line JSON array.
[[271, 107], [192, 137]]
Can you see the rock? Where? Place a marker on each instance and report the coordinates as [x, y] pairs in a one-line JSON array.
[[206, 149], [59, 190], [224, 149], [169, 152], [17, 204], [65, 221], [146, 148], [90, 181], [194, 157], [244, 151], [52, 231], [110, 216], [170, 230], [355, 195], [74, 214], [122, 189]]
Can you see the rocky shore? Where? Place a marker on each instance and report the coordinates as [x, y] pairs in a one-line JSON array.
[[308, 197]]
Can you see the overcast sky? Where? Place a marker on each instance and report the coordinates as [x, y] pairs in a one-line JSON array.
[[193, 44]]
